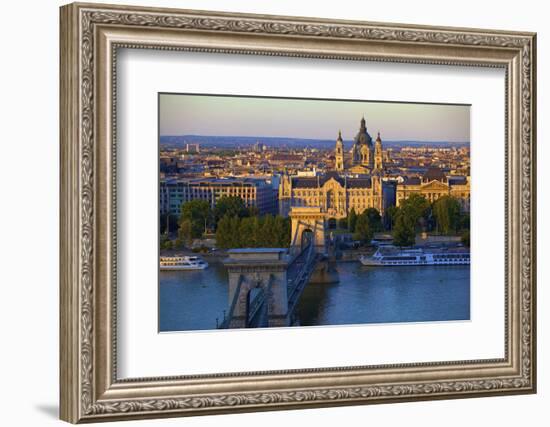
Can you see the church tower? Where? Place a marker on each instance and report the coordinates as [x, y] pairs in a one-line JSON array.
[[378, 154], [339, 153]]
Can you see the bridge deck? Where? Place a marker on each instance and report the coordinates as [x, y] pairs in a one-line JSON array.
[[300, 272]]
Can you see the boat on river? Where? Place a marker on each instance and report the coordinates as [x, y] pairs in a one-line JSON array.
[[392, 256], [182, 263]]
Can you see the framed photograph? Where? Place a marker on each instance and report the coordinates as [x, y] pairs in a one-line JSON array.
[[266, 212]]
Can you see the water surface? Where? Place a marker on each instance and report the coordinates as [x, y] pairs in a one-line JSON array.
[[192, 300]]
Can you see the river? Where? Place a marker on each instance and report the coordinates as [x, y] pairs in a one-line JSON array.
[[192, 300]]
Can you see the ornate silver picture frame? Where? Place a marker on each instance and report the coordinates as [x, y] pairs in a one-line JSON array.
[[91, 390]]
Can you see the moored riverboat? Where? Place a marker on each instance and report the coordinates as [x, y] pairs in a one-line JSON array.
[[182, 263], [392, 256]]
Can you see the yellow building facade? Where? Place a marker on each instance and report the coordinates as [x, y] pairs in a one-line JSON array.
[[336, 195], [433, 185]]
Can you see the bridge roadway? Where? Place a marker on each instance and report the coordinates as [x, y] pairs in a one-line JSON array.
[[298, 274]]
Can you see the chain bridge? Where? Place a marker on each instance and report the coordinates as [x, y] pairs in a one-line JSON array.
[[265, 284]]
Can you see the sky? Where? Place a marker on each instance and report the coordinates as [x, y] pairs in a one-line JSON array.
[[182, 114]]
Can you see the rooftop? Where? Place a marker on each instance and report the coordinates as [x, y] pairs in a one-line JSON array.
[[319, 181], [216, 181], [434, 174]]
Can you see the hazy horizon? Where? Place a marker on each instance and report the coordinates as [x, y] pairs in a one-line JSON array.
[[217, 116], [304, 138]]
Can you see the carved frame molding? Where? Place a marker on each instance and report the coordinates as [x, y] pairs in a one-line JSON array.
[[90, 36]]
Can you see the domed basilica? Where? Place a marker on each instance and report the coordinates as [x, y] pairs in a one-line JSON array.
[[365, 157], [359, 181]]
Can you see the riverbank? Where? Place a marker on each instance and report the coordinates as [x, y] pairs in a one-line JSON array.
[[344, 255]]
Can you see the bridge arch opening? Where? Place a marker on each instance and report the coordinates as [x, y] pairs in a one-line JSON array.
[[254, 298]]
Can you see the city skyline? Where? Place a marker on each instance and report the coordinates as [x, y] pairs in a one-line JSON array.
[[214, 115]]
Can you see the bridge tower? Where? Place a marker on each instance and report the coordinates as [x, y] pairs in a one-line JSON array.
[[308, 223], [257, 281]]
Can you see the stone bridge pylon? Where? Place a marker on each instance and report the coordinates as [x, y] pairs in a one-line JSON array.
[[257, 281]]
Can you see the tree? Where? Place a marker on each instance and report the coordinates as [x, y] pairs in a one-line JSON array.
[[281, 231], [446, 211], [225, 233], [464, 222], [185, 232], [165, 242], [231, 206], [266, 235], [253, 232], [414, 211], [234, 238], [403, 231], [256, 223], [252, 211], [198, 213], [391, 213], [285, 237], [247, 232], [375, 220], [352, 220], [343, 223], [465, 238], [363, 231]]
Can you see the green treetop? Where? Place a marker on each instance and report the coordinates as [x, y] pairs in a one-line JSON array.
[[231, 206], [375, 220], [446, 211], [403, 231], [352, 220], [363, 231], [415, 208], [391, 214], [198, 213], [225, 235], [253, 232]]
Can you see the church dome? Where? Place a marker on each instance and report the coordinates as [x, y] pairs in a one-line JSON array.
[[363, 137]]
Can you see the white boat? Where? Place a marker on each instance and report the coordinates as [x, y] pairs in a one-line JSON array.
[[182, 263], [392, 256]]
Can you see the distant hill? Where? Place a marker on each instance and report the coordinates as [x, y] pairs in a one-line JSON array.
[[179, 141]]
